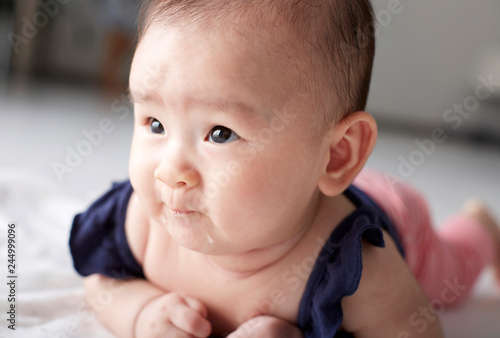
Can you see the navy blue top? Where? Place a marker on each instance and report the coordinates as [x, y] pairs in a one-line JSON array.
[[98, 245], [97, 241]]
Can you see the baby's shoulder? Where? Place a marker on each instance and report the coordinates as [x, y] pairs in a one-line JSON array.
[[386, 289]]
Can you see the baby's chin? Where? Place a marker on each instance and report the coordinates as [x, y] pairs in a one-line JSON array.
[[205, 244], [194, 239]]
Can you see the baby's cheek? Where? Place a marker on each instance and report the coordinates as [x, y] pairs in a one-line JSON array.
[[141, 164], [143, 182], [147, 197], [134, 165], [137, 176]]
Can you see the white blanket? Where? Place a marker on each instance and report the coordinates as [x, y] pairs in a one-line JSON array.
[[49, 298]]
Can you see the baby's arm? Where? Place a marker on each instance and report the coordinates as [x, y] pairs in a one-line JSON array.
[[266, 326], [136, 308], [124, 301], [388, 298]]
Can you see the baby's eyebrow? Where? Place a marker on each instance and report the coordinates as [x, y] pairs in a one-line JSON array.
[[227, 105], [212, 103], [142, 96]]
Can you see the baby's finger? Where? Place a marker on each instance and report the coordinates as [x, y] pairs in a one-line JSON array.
[[196, 305], [189, 320]]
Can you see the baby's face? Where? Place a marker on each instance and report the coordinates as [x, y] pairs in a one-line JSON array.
[[222, 153]]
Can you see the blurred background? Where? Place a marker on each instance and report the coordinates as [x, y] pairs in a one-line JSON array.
[[64, 68], [65, 119]]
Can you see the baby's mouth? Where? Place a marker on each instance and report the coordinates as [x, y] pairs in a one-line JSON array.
[[182, 213], [178, 212]]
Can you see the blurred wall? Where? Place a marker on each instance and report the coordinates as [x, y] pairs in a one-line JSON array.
[[429, 57], [82, 41], [6, 25]]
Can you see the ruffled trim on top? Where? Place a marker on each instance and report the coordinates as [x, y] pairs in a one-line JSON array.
[[337, 271]]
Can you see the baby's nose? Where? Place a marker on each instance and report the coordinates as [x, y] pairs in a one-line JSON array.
[[177, 171]]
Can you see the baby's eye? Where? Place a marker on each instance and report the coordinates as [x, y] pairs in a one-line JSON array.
[[221, 134], [156, 127]]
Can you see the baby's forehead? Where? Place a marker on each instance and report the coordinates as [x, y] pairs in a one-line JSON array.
[[280, 33], [194, 58], [246, 35]]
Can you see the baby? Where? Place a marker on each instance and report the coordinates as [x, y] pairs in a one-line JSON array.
[[247, 213]]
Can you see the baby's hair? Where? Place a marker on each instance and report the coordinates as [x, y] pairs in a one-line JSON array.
[[338, 35]]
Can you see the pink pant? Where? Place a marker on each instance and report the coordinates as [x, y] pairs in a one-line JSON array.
[[445, 261]]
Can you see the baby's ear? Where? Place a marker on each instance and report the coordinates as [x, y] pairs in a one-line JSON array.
[[351, 143]]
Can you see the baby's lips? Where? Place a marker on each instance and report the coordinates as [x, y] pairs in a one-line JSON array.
[[182, 212]]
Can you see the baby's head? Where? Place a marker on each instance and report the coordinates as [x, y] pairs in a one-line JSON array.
[[328, 44], [247, 113]]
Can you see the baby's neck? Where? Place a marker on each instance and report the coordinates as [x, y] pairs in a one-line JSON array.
[[252, 262], [328, 213]]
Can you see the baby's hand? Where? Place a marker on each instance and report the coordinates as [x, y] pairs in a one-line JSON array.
[[173, 315], [266, 326]]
